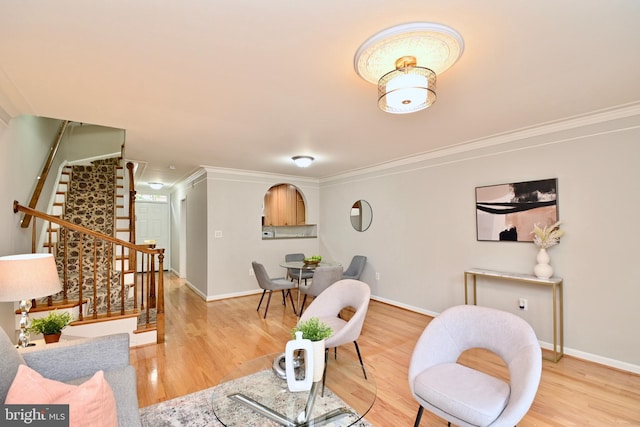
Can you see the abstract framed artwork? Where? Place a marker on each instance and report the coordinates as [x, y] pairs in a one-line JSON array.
[[508, 212]]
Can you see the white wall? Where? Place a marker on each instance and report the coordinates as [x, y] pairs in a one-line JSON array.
[[230, 202], [194, 191], [86, 141], [423, 233], [24, 147], [235, 203], [175, 212]]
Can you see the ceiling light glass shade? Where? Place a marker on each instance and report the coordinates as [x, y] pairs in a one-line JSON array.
[[155, 185], [407, 90], [434, 46], [302, 161]]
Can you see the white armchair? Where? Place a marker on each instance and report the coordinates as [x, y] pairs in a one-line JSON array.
[[465, 396]]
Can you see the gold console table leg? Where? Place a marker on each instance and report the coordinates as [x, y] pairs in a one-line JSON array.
[[557, 304]]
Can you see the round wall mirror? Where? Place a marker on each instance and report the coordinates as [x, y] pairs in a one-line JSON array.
[[361, 215]]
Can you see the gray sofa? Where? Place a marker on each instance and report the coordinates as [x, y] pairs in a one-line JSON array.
[[74, 362]]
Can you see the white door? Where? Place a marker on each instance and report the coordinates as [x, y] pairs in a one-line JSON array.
[[152, 223]]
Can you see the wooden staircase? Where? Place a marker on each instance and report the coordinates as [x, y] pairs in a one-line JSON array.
[[102, 257]]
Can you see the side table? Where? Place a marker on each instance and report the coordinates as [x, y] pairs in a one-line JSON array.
[[554, 282]]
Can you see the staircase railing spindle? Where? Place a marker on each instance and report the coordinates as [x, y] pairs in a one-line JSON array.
[[148, 255]]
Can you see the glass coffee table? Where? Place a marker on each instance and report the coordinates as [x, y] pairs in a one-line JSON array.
[[253, 395]]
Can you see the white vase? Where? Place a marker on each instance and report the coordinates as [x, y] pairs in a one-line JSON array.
[[543, 270], [318, 360], [293, 347]]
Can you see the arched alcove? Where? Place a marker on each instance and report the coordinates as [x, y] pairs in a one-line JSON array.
[[284, 205], [284, 214]]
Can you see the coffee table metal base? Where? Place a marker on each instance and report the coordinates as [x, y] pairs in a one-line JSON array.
[[253, 395], [303, 417]]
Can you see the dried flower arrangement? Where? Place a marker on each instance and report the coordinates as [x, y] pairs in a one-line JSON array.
[[547, 236]]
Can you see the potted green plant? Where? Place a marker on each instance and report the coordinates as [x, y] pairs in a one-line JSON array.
[[315, 331], [51, 326]]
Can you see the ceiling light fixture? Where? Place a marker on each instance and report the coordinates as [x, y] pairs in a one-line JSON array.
[[155, 185], [302, 161], [404, 61]]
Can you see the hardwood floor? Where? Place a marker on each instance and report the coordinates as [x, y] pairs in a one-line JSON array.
[[205, 340]]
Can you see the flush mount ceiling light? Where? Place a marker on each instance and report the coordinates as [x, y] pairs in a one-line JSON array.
[[155, 185], [404, 61], [302, 161]]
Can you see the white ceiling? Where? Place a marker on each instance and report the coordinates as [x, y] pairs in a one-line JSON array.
[[247, 84]]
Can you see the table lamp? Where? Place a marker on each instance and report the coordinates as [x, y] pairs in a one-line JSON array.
[[27, 276]]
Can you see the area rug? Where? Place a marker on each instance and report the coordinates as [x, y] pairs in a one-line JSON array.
[[195, 410]]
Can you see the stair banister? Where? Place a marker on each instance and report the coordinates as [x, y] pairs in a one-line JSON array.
[[132, 212], [17, 207], [45, 172], [144, 249]]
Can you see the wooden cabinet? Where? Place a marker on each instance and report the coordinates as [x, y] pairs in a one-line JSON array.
[[284, 205]]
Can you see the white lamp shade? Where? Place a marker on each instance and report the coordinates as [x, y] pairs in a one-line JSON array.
[[302, 161], [407, 89], [28, 276]]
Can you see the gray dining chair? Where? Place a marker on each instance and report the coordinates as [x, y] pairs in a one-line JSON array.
[[323, 277], [295, 273], [465, 396], [355, 268], [269, 284]]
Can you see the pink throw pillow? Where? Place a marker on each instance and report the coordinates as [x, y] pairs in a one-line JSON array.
[[90, 404]]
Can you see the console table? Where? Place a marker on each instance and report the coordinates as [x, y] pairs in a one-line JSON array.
[[554, 282]]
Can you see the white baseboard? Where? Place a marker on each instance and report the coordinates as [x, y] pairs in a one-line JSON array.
[[405, 306], [595, 358], [233, 295], [196, 290], [209, 298], [613, 363], [176, 272]]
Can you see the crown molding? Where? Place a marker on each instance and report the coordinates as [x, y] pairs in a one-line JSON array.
[[574, 122], [260, 175]]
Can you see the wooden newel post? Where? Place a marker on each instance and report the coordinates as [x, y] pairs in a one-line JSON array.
[[151, 276]]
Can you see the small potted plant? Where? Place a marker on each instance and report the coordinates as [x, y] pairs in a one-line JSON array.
[[315, 331], [51, 326]]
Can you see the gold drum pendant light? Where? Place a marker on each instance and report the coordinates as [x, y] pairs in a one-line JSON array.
[[404, 60], [408, 88]]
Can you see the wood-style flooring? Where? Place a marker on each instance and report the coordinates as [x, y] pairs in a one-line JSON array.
[[206, 340]]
